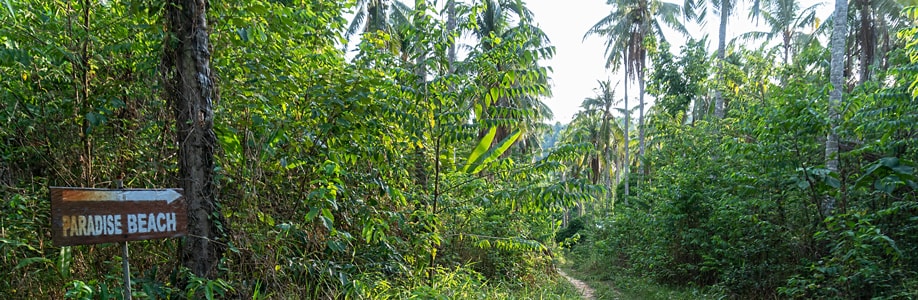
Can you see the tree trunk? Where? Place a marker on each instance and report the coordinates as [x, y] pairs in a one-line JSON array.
[[189, 88], [450, 27], [641, 119], [787, 47], [607, 136], [83, 69], [867, 37], [377, 18], [837, 78], [725, 9], [594, 168], [627, 165]]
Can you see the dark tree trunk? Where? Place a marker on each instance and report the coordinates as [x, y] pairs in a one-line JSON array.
[[867, 44], [189, 88], [377, 18]]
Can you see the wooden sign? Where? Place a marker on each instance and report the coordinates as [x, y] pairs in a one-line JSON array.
[[81, 216]]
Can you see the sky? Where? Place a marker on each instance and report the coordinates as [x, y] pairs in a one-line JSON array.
[[579, 64]]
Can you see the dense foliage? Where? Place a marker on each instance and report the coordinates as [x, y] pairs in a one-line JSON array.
[[386, 171], [734, 205], [372, 160]]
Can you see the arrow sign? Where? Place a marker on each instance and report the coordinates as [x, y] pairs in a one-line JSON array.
[[167, 195], [82, 216]]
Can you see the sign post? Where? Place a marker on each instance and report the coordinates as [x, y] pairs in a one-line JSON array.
[[82, 216], [127, 270], [125, 265]]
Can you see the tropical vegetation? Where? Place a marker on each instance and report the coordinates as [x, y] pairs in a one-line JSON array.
[[379, 149]]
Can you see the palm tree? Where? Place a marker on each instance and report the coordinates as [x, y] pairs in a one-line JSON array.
[[603, 140], [628, 28], [784, 18], [837, 79], [724, 9], [512, 80], [873, 25], [378, 15], [495, 19], [596, 125]]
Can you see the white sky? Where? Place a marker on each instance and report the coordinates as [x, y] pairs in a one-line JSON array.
[[578, 64]]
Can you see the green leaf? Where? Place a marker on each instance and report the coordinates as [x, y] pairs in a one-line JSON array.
[[64, 260], [484, 244], [508, 79], [480, 149], [313, 212], [209, 290], [265, 218], [293, 165], [327, 222], [367, 233], [243, 34], [328, 214], [491, 97], [336, 246], [397, 196], [31, 260], [890, 162], [228, 140], [832, 181], [499, 150], [9, 7], [887, 184]]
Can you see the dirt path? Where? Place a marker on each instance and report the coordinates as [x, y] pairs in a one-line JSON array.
[[584, 289]]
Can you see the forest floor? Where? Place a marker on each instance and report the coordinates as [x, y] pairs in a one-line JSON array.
[[585, 290]]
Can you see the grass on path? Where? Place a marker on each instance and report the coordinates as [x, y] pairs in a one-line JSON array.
[[630, 287]]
